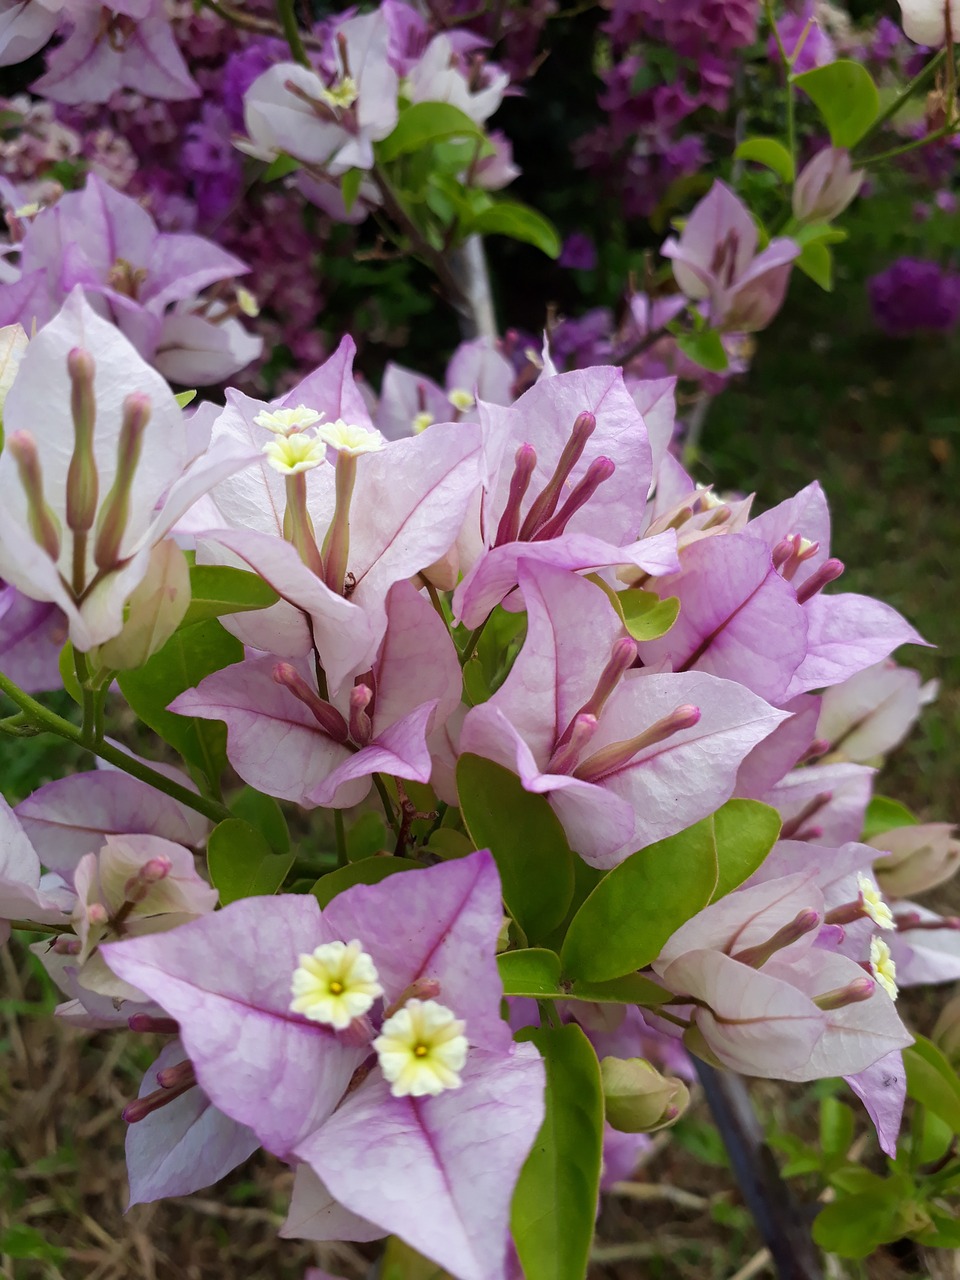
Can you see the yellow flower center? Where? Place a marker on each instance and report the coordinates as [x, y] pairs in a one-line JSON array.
[[340, 95], [883, 967], [292, 454], [286, 422], [461, 399], [335, 984], [872, 901], [422, 1049], [421, 421], [350, 439]]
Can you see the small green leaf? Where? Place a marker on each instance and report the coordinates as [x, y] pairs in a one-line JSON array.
[[519, 222], [884, 814], [216, 590], [190, 654], [836, 1127], [264, 813], [645, 615], [367, 836], [854, 1226], [625, 921], [183, 398], [846, 97], [704, 349], [816, 261], [769, 152], [68, 673], [23, 1241], [533, 972], [932, 1081], [632, 988], [554, 1204], [367, 871], [280, 167], [350, 187], [526, 839], [242, 864], [423, 123]]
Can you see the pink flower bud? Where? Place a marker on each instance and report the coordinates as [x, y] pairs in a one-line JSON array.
[[825, 186], [82, 478], [115, 512], [44, 525]]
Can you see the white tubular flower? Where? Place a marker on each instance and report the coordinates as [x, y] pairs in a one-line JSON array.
[[422, 1049], [286, 422], [461, 399], [349, 439], [292, 454], [882, 967], [334, 985], [341, 95], [873, 903]]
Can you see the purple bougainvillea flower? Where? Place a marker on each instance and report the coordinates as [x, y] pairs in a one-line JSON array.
[[283, 738], [31, 639], [626, 758], [308, 1091], [25, 894], [409, 402], [915, 295], [871, 713], [25, 27], [716, 260]]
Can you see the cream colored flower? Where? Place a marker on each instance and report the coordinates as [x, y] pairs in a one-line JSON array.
[[422, 1049], [335, 984]]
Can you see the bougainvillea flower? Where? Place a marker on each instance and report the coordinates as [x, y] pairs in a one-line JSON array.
[[561, 472], [25, 893], [286, 740], [770, 1003], [185, 1145], [309, 1093], [407, 507], [441, 74], [824, 803], [31, 639], [872, 712], [716, 259], [25, 27], [826, 185], [108, 472], [925, 21], [882, 1088], [123, 46], [925, 946], [329, 118], [409, 402], [771, 761], [626, 758], [916, 858], [132, 274]]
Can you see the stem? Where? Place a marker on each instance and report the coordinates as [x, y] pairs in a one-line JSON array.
[[31, 926], [288, 21], [432, 257], [387, 804], [473, 639], [341, 837], [907, 92], [788, 70], [80, 666], [52, 723], [937, 134]]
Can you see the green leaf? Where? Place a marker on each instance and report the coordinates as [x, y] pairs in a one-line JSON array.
[[645, 615], [367, 871], [816, 261], [68, 673], [350, 187], [264, 813], [746, 831], [190, 654], [280, 167], [423, 123], [216, 590], [554, 1204], [845, 96], [836, 1127], [769, 152], [932, 1081], [519, 222], [367, 836], [945, 1233], [183, 398], [242, 864], [854, 1226], [884, 814], [704, 349], [625, 921], [526, 839], [533, 972], [22, 1241]]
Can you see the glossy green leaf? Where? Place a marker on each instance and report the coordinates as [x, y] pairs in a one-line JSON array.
[[190, 654], [705, 349], [242, 864], [280, 168], [846, 97], [854, 1226], [816, 261], [932, 1081], [746, 831], [423, 123], [68, 673], [526, 839], [367, 836], [519, 222], [554, 1204], [884, 814], [836, 1127], [183, 398], [625, 921], [216, 590], [768, 152], [533, 972], [367, 871], [264, 813], [645, 615]]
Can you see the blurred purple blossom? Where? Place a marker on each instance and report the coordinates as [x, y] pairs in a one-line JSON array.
[[915, 294]]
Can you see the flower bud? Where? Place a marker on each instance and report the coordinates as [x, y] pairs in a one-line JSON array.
[[154, 612], [115, 512], [637, 1098], [82, 478], [915, 858], [826, 186], [44, 525]]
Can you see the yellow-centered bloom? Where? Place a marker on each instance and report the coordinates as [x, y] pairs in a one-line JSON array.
[[873, 903], [882, 967], [461, 399], [350, 439], [422, 1049], [286, 422], [421, 421], [292, 454], [335, 984], [340, 95]]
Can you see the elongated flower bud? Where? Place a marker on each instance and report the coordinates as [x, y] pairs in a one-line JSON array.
[[525, 462], [853, 993], [829, 571], [619, 754], [546, 503], [804, 922], [327, 716], [82, 479], [44, 525], [115, 513], [600, 470]]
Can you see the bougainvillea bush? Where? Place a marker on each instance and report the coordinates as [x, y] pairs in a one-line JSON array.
[[466, 779]]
